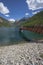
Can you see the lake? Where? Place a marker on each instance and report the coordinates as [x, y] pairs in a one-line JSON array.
[[12, 35], [9, 35], [32, 35]]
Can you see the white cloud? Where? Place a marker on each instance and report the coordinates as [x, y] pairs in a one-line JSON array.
[[3, 8], [35, 12], [26, 14], [7, 15], [12, 20], [34, 4], [40, 1]]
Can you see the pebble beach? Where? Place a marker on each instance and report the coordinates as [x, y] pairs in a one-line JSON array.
[[22, 54]]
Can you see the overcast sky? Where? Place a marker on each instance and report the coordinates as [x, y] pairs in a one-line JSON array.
[[16, 9]]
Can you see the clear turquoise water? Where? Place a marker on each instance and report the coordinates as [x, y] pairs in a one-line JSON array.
[[32, 35], [9, 35]]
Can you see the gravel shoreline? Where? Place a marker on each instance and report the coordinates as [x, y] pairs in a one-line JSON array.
[[22, 54]]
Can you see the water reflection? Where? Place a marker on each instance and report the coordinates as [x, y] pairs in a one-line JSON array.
[[9, 35]]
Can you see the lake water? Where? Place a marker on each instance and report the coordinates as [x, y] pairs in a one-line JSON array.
[[9, 35], [32, 35], [13, 35]]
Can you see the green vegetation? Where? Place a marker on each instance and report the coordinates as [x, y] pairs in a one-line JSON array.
[[35, 20], [4, 22]]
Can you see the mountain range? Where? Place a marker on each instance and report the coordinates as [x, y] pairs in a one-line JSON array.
[[37, 19]]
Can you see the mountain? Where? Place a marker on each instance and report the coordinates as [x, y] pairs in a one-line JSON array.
[[4, 22], [35, 20], [21, 21], [24, 19]]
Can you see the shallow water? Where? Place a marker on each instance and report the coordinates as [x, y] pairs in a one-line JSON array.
[[32, 35], [14, 35], [9, 35]]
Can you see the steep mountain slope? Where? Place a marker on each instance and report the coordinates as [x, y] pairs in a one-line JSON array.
[[35, 20], [21, 21], [4, 22]]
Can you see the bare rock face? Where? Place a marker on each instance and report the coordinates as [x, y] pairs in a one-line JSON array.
[[21, 54], [1, 20], [37, 29]]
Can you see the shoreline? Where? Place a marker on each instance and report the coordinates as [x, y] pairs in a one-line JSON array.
[[22, 43], [21, 54]]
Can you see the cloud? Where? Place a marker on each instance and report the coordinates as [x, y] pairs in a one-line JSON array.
[[12, 20], [7, 15], [34, 4], [3, 8], [26, 14], [35, 12]]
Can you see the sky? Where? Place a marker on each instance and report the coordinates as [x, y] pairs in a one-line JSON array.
[[16, 9]]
